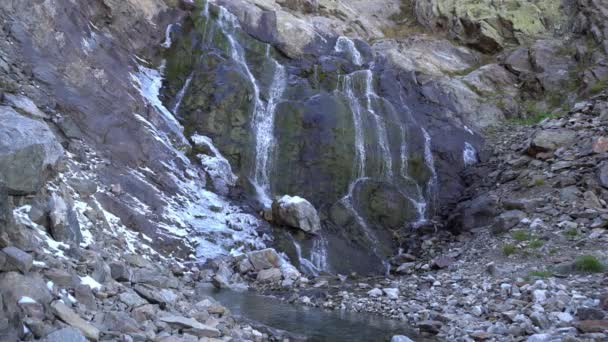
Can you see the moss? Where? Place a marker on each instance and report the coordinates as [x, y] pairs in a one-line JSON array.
[[418, 169], [571, 232], [536, 243], [598, 87], [508, 249], [539, 181], [539, 274], [589, 264], [521, 235]]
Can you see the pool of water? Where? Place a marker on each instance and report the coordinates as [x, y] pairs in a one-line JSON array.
[[314, 323]]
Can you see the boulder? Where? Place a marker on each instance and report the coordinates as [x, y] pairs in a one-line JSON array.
[[29, 152], [264, 259], [67, 315], [154, 295], [191, 326], [296, 212], [120, 322], [602, 174], [64, 224], [401, 338], [65, 335], [476, 213], [271, 275], [18, 259], [16, 286], [120, 272], [24, 105], [507, 220], [549, 140]]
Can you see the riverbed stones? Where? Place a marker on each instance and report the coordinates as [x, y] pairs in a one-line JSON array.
[[29, 152], [296, 212], [271, 275]]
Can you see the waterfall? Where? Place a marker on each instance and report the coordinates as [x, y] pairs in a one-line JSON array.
[[168, 42], [181, 93], [318, 256], [380, 125], [263, 115], [469, 154], [433, 183], [346, 46], [263, 124], [355, 106]]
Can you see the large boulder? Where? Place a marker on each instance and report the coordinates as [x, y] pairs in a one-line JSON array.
[[549, 140], [296, 212], [29, 152], [64, 223], [264, 259]]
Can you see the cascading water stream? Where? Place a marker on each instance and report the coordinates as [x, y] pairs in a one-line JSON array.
[[263, 124], [180, 95], [380, 125], [469, 154], [263, 115]]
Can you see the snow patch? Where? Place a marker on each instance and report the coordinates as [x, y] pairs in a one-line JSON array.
[[27, 300], [90, 282]]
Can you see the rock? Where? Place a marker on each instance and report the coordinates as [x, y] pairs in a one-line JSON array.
[[539, 338], [245, 266], [406, 268], [120, 322], [271, 275], [507, 220], [15, 287], [131, 299], [84, 295], [401, 338], [296, 212], [442, 262], [63, 221], [600, 145], [592, 326], [264, 259], [585, 314], [154, 278], [192, 326], [549, 140], [70, 317], [120, 272], [65, 335], [29, 152], [220, 282], [25, 106], [375, 292], [84, 187], [162, 297], [479, 212], [62, 278], [539, 296], [391, 293], [602, 174], [430, 327], [18, 259]]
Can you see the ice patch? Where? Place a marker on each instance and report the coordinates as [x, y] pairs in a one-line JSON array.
[[215, 165], [469, 154], [50, 285]]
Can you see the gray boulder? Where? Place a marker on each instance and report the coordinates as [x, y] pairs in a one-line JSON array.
[[264, 259], [24, 105], [63, 220], [507, 220], [550, 140], [65, 335], [602, 174], [401, 338], [296, 212], [18, 259], [29, 152]]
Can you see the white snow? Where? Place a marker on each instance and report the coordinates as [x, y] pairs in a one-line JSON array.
[[26, 300], [92, 283], [50, 285]]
